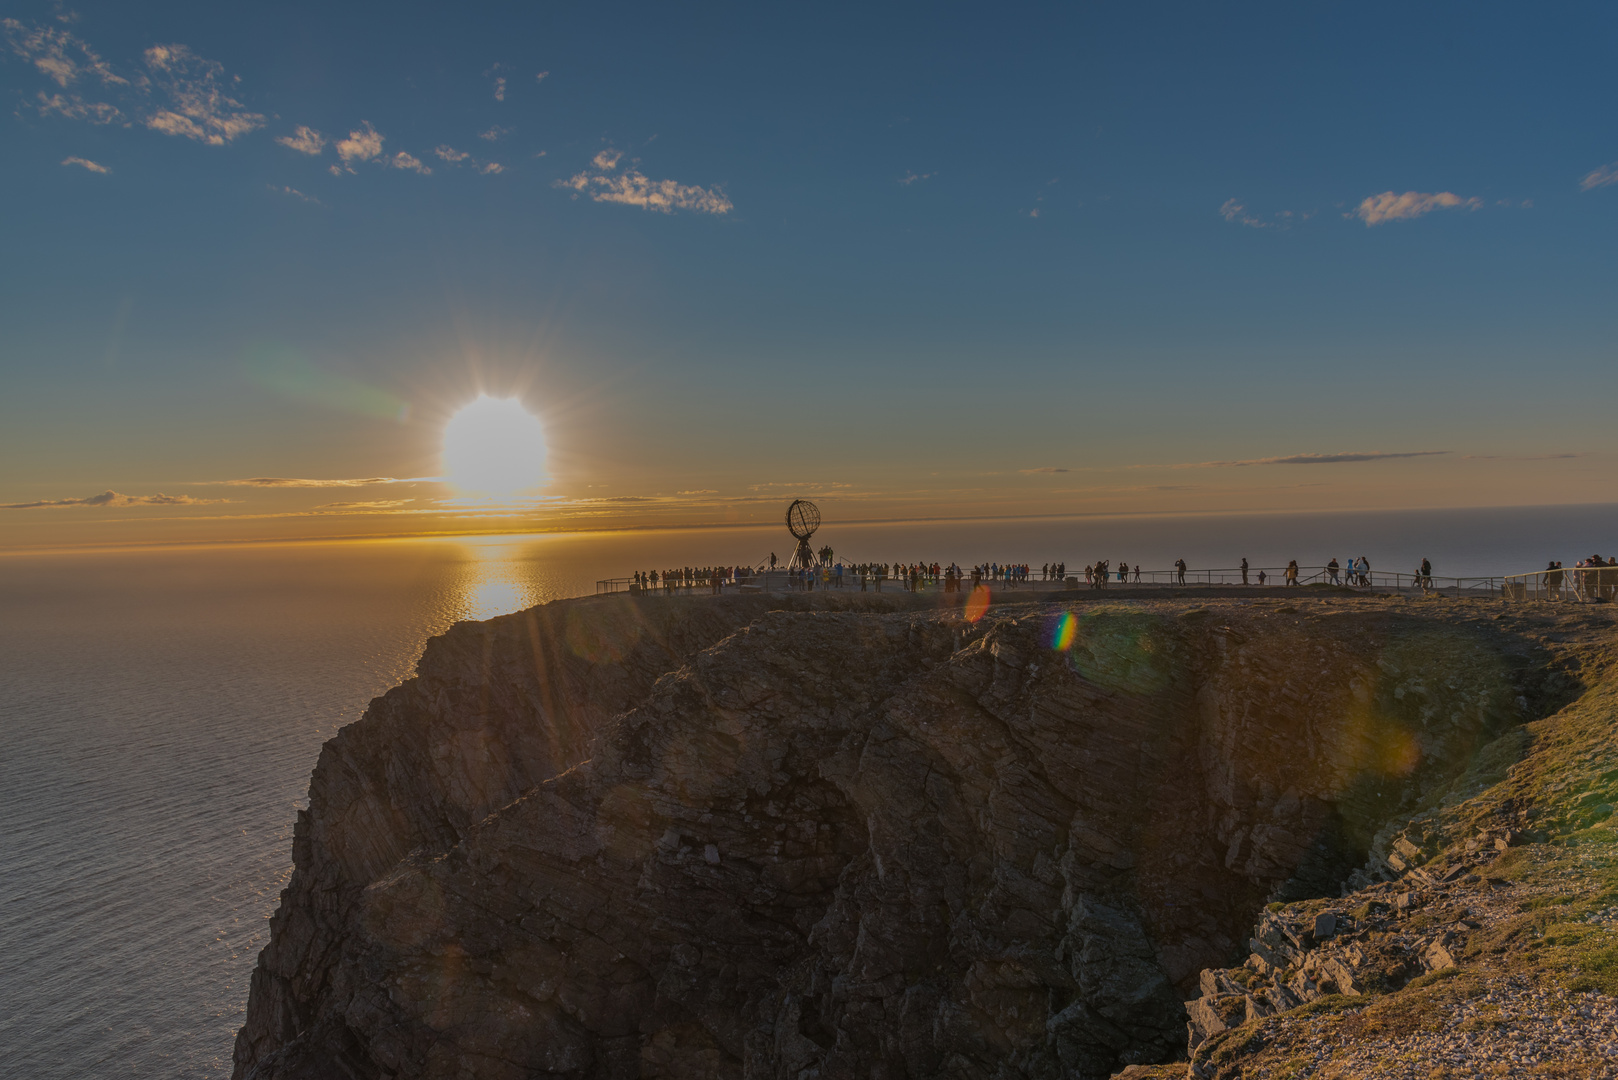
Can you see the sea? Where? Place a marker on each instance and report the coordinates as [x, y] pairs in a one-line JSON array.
[[161, 710]]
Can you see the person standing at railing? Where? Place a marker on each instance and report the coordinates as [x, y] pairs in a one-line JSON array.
[[1426, 574], [1292, 572], [1331, 571], [1553, 580], [1244, 569], [1179, 570]]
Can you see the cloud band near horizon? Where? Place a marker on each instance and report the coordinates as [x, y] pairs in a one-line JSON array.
[[1313, 459], [110, 498]]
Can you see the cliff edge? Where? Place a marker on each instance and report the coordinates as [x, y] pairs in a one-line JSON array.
[[856, 836]]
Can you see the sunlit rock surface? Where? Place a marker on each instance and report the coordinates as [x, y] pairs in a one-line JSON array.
[[752, 836]]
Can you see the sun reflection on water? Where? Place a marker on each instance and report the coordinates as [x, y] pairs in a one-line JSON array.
[[490, 598], [494, 582]]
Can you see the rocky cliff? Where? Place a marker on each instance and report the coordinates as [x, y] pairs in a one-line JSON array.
[[750, 836]]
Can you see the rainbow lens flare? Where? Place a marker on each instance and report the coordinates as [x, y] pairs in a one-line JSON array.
[[1066, 629], [977, 604]]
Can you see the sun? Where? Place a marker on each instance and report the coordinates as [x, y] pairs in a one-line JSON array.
[[493, 446]]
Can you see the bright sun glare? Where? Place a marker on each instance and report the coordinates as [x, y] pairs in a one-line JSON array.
[[494, 446]]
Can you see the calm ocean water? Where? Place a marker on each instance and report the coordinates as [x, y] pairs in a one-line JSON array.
[[161, 711]]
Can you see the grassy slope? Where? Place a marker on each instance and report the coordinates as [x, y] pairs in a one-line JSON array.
[[1547, 909]]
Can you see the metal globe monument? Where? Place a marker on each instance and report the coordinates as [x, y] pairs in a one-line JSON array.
[[803, 518]]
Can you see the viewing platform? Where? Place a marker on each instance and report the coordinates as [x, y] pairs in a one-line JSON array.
[[1582, 585]]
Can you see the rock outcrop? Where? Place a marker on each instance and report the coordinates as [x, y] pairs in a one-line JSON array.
[[751, 837]]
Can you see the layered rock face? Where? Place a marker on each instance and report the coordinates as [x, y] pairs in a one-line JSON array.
[[698, 838]]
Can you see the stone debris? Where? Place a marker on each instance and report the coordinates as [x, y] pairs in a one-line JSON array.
[[1511, 1030]]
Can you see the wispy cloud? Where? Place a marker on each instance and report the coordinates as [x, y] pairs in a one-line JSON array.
[[86, 163], [305, 140], [912, 177], [1388, 206], [201, 109], [1605, 176], [500, 88], [402, 160], [823, 485], [1043, 469], [73, 107], [179, 93], [1238, 214], [295, 193], [1528, 457], [494, 133], [302, 482], [1309, 459], [541, 76], [632, 188], [1235, 211], [378, 504], [57, 54], [113, 498], [452, 156], [362, 144]]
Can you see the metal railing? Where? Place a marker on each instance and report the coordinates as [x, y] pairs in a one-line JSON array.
[[1575, 584], [1371, 581], [1380, 581], [678, 585]]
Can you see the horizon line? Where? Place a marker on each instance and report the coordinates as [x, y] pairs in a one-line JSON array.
[[454, 534]]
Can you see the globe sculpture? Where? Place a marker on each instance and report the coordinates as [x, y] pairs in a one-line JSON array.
[[803, 518]]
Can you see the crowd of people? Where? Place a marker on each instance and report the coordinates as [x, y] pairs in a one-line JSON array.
[[1354, 572], [687, 579], [1594, 576]]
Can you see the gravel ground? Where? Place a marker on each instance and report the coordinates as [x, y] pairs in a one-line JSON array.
[[1511, 1030]]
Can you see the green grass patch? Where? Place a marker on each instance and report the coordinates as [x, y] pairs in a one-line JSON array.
[[1535, 903], [1331, 1003], [1433, 977], [1598, 971]]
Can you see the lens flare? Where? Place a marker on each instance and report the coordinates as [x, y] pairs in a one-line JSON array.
[[977, 604], [495, 447], [1066, 629]]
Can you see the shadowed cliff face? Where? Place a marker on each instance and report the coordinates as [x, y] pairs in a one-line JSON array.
[[703, 838]]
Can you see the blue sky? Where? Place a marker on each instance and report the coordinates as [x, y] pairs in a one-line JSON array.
[[920, 260]]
